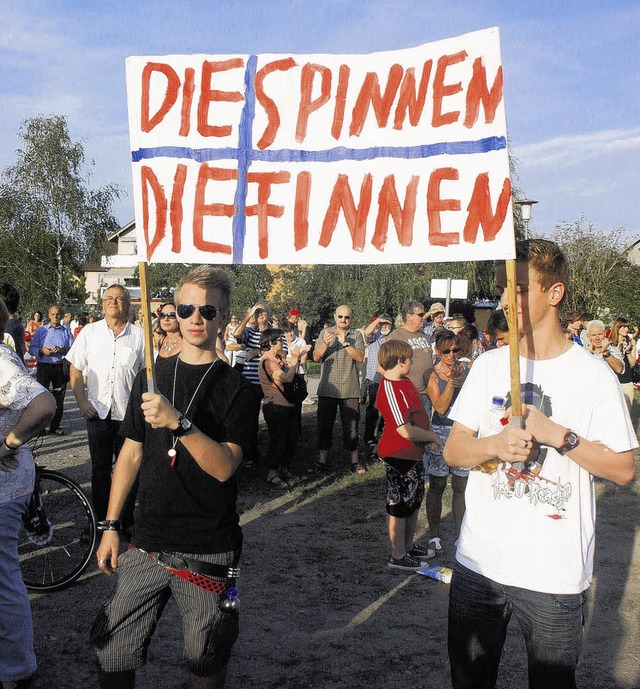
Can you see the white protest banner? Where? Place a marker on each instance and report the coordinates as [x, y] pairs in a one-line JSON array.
[[392, 157]]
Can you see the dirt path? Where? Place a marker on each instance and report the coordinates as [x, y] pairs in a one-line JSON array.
[[319, 606]]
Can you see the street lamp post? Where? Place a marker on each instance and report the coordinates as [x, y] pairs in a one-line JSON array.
[[525, 209]]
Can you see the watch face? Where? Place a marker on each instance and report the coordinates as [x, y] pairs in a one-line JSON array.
[[184, 426], [570, 441]]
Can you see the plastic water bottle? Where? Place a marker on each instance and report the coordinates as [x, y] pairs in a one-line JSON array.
[[231, 602], [496, 424]]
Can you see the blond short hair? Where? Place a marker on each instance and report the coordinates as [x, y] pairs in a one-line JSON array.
[[208, 277]]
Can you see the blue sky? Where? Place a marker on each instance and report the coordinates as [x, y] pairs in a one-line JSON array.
[[572, 77]]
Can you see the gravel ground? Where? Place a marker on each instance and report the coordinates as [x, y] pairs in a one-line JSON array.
[[319, 606]]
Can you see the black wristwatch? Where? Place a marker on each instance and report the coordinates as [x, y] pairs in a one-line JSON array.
[[571, 441], [184, 426]]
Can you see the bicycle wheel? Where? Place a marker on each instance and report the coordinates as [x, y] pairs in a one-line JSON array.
[[58, 534]]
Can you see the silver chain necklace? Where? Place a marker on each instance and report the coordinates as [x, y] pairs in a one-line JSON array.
[[173, 453]]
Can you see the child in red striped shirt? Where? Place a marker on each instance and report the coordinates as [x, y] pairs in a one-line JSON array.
[[401, 447]]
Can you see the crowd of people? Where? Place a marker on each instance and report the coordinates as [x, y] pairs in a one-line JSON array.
[[428, 390]]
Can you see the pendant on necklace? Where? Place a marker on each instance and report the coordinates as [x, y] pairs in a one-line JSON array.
[[172, 454]]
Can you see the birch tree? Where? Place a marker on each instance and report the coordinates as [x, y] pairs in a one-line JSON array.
[[50, 215]]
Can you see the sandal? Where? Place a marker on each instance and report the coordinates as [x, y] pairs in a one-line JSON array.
[[358, 468]]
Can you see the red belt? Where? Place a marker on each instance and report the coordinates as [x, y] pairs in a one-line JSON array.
[[206, 575]]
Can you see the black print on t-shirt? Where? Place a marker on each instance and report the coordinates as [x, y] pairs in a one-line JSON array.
[[533, 395]]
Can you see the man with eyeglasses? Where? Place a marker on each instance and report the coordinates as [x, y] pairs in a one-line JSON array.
[[411, 332], [456, 323], [109, 353], [340, 348], [184, 444], [49, 345]]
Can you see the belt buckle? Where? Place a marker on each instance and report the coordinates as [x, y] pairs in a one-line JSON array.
[[171, 560]]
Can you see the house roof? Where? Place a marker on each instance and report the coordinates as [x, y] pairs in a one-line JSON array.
[[125, 229]]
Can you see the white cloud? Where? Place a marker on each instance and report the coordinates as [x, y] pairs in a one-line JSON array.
[[578, 147]]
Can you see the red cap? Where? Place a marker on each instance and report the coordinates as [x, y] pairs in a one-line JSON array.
[[294, 312]]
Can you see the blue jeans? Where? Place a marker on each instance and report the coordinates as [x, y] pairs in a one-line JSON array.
[[17, 659], [479, 612]]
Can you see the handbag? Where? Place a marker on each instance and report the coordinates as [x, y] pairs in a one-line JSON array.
[[295, 391]]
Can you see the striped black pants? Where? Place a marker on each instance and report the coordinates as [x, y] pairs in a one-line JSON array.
[[124, 626]]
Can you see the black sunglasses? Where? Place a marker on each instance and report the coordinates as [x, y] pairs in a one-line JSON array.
[[207, 311], [171, 315], [455, 350], [419, 315]]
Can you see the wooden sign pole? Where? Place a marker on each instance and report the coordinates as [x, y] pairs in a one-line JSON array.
[[514, 353], [147, 327]]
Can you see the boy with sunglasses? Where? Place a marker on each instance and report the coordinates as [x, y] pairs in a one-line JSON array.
[[527, 540], [184, 445]]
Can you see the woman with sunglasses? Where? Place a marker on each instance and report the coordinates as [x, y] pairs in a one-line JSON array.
[[168, 340], [279, 413], [443, 388]]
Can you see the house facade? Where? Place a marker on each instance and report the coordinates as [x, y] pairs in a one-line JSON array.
[[117, 266]]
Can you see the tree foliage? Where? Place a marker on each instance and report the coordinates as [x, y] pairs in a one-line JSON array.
[[249, 284], [601, 278], [51, 220]]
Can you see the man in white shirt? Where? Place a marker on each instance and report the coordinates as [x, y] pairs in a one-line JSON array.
[[527, 540], [110, 353]]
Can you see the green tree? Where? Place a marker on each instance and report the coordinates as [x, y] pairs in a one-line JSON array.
[[601, 278], [249, 284], [51, 220]]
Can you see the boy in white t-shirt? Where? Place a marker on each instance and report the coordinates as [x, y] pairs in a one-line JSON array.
[[527, 539]]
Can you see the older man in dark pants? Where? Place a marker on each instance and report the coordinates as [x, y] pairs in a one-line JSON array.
[[110, 352], [340, 348], [49, 345]]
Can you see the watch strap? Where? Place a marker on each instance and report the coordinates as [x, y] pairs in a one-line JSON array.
[[184, 426], [571, 441]]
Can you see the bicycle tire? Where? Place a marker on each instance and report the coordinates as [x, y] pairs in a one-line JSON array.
[[56, 556]]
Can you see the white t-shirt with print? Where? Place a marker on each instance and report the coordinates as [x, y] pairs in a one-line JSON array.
[[17, 389], [539, 534]]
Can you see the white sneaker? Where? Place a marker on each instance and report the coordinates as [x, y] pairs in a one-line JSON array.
[[455, 543], [436, 543]]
